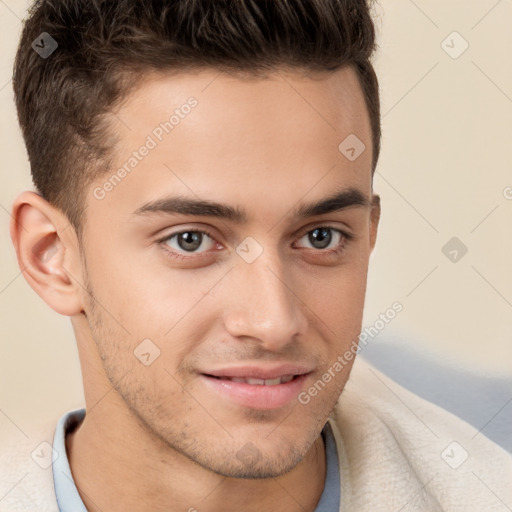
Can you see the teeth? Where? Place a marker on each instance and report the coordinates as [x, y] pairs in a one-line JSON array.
[[259, 382], [273, 382], [263, 382]]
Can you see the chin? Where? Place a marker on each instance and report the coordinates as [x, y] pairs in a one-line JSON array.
[[263, 468]]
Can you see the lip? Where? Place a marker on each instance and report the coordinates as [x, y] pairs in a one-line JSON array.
[[256, 396], [260, 372]]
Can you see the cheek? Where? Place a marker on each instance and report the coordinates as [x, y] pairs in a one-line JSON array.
[[337, 299], [144, 297]]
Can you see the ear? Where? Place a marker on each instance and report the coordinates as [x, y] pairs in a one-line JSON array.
[[374, 220], [48, 252]]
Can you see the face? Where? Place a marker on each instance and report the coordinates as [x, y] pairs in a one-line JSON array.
[[184, 296]]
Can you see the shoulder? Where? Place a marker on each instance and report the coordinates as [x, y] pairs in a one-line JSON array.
[[26, 468], [396, 445]]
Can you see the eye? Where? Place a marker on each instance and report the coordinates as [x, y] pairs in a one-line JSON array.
[[322, 237], [188, 241]]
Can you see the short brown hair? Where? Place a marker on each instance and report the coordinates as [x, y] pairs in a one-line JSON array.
[[105, 46]]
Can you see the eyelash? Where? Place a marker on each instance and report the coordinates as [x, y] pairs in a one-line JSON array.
[[346, 238]]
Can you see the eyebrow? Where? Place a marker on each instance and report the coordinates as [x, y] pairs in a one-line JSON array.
[[340, 200]]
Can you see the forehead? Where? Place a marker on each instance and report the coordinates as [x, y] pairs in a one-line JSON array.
[[245, 104], [210, 134]]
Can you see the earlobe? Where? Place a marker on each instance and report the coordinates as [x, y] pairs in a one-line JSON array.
[[44, 254]]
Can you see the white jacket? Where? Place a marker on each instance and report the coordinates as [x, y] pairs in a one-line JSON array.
[[396, 452]]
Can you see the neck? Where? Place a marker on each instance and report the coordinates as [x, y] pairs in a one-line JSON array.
[[118, 469]]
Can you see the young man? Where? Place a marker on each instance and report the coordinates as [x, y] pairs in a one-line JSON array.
[[205, 216]]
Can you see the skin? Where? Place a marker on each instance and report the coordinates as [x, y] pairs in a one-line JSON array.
[[155, 437]]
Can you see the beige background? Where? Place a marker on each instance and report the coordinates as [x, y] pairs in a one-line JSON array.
[[444, 169]]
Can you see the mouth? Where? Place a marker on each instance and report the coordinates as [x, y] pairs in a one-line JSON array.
[[256, 393], [258, 382]]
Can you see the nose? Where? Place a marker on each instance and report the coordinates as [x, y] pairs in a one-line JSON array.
[[263, 304]]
